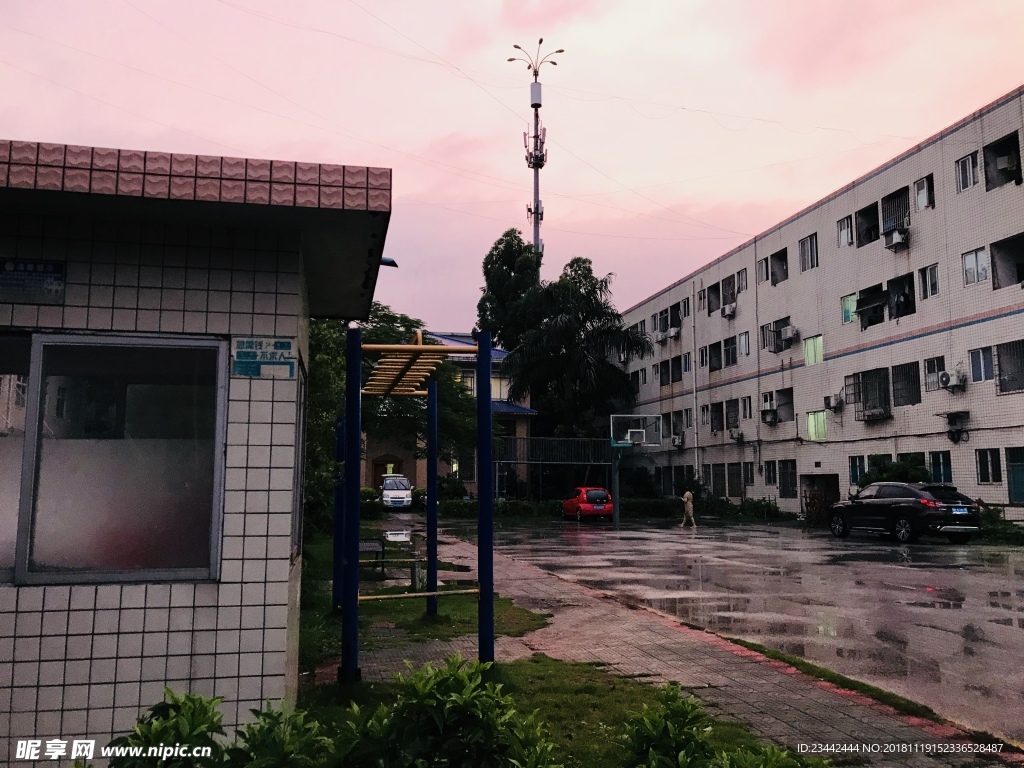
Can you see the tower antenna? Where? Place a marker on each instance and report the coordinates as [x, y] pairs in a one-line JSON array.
[[536, 155]]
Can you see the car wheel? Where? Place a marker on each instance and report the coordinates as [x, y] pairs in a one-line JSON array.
[[958, 538], [837, 524], [903, 530]]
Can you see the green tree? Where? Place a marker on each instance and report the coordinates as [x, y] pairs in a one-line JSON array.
[[510, 304], [566, 360], [401, 418]]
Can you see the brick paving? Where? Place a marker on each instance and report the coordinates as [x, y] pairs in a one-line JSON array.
[[779, 703]]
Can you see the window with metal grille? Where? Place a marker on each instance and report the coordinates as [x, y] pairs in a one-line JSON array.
[[941, 466], [734, 476], [787, 478], [933, 366], [868, 392], [906, 384], [732, 414], [1010, 362], [896, 210], [748, 473], [770, 473], [809, 252], [989, 468], [729, 349]]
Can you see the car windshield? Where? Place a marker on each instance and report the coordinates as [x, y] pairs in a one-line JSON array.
[[396, 484], [597, 497], [948, 495]]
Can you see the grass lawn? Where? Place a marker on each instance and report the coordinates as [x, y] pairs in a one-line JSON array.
[[583, 706], [320, 626]]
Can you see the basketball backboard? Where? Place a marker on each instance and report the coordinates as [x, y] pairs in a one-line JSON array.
[[636, 429]]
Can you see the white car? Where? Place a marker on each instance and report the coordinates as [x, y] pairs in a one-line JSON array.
[[396, 491]]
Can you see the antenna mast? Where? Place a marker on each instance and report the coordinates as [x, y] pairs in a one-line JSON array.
[[537, 155]]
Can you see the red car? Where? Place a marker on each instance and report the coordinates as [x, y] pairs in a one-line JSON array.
[[588, 502]]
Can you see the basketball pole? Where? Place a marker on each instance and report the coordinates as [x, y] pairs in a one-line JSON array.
[[615, 487]]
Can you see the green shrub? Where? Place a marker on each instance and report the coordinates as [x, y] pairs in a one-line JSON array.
[[515, 508], [672, 735], [279, 739], [765, 757], [369, 494], [450, 487], [188, 719], [996, 529], [456, 508], [371, 510], [446, 716]]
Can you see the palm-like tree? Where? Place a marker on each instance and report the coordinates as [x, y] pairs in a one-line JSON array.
[[567, 362]]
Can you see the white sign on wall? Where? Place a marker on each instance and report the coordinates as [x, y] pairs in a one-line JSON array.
[[263, 358]]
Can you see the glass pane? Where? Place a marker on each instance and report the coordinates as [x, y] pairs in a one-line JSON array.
[[14, 359], [125, 473]]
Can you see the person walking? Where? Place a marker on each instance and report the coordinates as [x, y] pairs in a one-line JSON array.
[[687, 500]]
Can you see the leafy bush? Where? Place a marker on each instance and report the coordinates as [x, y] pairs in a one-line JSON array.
[[673, 735], [371, 510], [369, 494], [279, 739], [883, 471], [765, 757], [446, 716], [456, 508], [450, 487], [187, 719], [995, 528]]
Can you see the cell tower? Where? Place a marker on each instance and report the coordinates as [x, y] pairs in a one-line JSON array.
[[536, 155]]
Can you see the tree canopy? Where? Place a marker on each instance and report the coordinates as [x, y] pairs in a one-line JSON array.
[[566, 338], [509, 305]]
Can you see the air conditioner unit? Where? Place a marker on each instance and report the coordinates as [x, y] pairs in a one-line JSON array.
[[897, 239], [677, 441], [834, 403], [876, 414], [673, 333], [660, 337], [789, 333], [952, 381], [729, 310], [769, 416]]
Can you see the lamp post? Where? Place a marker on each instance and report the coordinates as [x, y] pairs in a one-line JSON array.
[[536, 156]]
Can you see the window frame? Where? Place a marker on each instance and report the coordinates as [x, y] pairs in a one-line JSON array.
[[808, 249], [844, 226], [925, 184], [816, 425], [771, 472], [743, 343], [992, 466], [987, 364], [928, 281], [938, 364], [813, 350], [973, 255], [746, 407], [846, 301], [741, 281], [30, 464], [762, 270], [972, 165]]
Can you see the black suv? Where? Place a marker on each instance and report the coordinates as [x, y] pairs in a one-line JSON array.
[[906, 511]]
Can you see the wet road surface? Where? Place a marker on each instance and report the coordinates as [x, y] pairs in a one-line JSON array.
[[939, 624]]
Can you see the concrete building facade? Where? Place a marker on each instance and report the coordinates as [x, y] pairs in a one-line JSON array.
[[883, 322]]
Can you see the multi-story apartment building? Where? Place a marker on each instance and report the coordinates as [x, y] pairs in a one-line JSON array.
[[883, 322]]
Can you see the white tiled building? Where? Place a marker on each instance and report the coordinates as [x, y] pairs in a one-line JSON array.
[[154, 314], [793, 362]]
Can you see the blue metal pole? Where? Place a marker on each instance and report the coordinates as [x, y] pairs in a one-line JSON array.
[[339, 518], [349, 670], [485, 492], [431, 496]]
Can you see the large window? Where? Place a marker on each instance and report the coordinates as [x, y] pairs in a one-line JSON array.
[[816, 425], [1010, 358], [125, 437], [906, 384], [770, 473], [981, 364], [975, 266], [989, 468], [813, 353], [941, 466], [787, 478], [729, 350]]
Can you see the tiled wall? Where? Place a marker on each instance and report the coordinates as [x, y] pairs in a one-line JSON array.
[[958, 319], [80, 661]]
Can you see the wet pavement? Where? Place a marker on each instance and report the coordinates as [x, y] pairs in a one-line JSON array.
[[937, 623]]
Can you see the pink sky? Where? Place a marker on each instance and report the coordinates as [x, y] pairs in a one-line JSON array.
[[676, 129]]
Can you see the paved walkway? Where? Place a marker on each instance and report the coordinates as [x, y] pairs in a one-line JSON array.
[[779, 703]]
